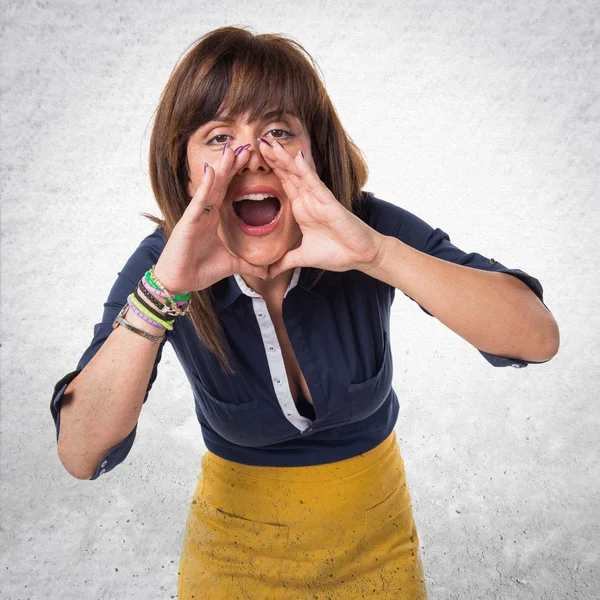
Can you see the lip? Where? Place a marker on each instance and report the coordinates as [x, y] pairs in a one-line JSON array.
[[255, 189], [261, 229]]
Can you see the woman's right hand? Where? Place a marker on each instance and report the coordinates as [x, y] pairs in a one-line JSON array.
[[194, 257]]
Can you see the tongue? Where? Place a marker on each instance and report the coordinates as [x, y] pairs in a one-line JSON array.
[[256, 213]]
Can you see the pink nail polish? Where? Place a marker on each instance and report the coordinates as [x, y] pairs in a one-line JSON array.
[[205, 166], [225, 147], [263, 140], [302, 153], [279, 143]]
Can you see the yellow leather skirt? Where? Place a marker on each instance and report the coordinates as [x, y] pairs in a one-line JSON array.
[[335, 531]]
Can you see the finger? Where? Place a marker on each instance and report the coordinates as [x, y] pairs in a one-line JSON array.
[[278, 153], [227, 166], [272, 161], [289, 260], [280, 171], [246, 268], [308, 182], [195, 208]]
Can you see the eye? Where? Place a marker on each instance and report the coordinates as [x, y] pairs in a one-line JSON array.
[[221, 138], [288, 134], [213, 142]]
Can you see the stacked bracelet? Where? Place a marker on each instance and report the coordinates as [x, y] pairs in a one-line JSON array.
[[144, 302], [144, 283], [147, 314], [159, 314], [155, 283], [160, 290]]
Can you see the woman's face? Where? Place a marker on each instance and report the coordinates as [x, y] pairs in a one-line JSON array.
[[258, 244]]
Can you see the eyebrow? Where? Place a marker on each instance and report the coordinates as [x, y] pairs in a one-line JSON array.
[[266, 117]]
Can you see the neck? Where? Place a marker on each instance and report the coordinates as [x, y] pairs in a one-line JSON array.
[[271, 288]]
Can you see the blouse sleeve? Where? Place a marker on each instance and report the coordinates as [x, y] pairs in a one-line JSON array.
[[418, 234], [142, 259]]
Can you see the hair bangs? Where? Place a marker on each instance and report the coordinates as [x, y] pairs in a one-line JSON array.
[[251, 80]]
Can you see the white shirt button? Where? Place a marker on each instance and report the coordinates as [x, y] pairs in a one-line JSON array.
[[516, 365], [271, 348], [104, 464], [102, 472], [277, 380], [260, 315]]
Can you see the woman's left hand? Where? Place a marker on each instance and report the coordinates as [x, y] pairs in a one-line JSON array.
[[333, 238]]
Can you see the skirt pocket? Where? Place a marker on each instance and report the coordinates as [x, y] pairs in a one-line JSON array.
[[228, 556]]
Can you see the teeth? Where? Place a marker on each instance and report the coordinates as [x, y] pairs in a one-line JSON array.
[[256, 197]]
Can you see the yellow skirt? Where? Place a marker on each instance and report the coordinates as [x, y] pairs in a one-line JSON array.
[[336, 531]]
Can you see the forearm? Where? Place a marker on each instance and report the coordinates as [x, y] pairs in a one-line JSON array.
[[495, 312], [101, 406]]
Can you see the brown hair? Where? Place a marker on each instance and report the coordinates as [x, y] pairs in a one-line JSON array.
[[234, 69]]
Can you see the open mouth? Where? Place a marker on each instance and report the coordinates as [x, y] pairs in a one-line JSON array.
[[257, 210]]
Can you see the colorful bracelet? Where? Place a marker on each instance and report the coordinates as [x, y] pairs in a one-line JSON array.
[[140, 314], [174, 310], [155, 283], [154, 312], [159, 293], [163, 293], [143, 316], [152, 298], [133, 302]]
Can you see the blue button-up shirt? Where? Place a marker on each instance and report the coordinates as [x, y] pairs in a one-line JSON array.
[[340, 332]]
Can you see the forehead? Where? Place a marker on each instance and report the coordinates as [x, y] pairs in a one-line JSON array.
[[268, 115]]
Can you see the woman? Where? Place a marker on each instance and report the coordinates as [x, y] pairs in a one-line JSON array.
[[272, 275]]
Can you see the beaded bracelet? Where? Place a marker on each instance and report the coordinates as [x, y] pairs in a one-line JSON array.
[[153, 290], [145, 286], [174, 309], [140, 314], [155, 283], [155, 313], [160, 322], [153, 299], [139, 309], [163, 292]]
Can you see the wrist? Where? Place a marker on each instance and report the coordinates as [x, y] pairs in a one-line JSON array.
[[133, 319], [164, 279], [381, 245]]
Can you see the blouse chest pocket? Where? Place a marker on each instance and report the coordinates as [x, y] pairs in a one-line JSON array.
[[367, 396], [245, 423], [238, 423]]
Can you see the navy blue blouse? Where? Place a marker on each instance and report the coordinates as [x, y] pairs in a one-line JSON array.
[[340, 333]]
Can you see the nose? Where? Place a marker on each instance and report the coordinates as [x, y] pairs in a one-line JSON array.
[[256, 162]]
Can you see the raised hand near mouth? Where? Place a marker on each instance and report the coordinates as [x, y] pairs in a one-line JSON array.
[[333, 238], [194, 257]]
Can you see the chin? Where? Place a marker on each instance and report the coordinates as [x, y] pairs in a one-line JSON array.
[[260, 258]]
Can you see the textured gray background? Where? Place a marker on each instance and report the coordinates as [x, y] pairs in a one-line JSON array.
[[480, 117]]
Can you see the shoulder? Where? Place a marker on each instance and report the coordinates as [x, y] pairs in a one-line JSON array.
[[144, 256], [383, 216], [155, 242], [151, 246]]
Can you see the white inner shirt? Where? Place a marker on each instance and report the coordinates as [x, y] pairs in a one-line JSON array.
[[279, 378]]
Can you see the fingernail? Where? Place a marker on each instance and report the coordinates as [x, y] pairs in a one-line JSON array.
[[302, 153], [205, 166], [225, 147], [263, 140], [240, 149], [279, 143]]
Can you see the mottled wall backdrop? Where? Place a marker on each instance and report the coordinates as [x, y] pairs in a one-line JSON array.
[[481, 117]]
